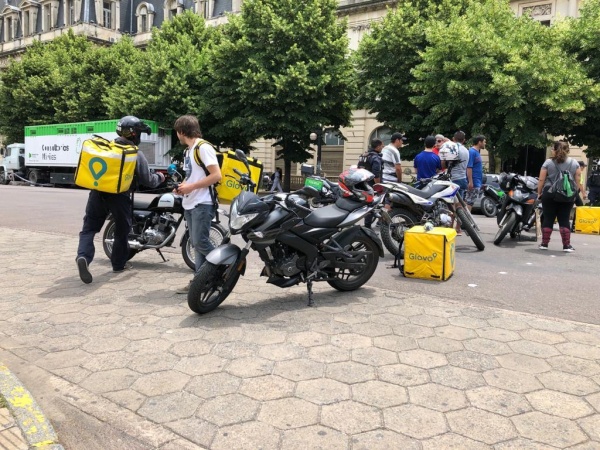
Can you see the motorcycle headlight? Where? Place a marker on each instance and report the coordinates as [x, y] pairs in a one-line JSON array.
[[518, 195], [237, 221]]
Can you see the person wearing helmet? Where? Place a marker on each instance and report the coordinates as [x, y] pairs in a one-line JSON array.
[[100, 204]]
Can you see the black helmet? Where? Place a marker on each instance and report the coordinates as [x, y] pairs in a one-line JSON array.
[[131, 128]]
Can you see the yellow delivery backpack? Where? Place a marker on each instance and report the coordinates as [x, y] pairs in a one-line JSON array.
[[429, 255], [106, 166]]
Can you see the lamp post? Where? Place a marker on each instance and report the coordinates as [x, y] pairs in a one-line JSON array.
[[318, 137]]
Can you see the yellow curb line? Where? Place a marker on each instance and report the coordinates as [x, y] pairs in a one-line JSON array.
[[36, 429]]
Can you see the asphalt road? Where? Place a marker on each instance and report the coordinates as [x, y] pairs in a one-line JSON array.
[[515, 276]]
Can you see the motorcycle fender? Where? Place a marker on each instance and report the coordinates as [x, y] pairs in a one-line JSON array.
[[225, 254], [517, 209], [349, 233]]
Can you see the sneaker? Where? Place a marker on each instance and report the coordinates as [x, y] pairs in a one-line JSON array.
[[185, 289], [84, 271], [568, 248], [543, 247], [128, 266]]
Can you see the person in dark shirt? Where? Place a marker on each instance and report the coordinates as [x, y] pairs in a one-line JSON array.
[[373, 163], [427, 163]]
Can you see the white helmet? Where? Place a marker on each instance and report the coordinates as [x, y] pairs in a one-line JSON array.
[[449, 151]]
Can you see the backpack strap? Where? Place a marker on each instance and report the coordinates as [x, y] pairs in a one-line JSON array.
[[212, 188]]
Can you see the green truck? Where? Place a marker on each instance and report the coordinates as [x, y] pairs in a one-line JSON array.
[[51, 152]]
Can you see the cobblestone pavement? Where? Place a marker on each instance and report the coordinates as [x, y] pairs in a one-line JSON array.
[[373, 369]]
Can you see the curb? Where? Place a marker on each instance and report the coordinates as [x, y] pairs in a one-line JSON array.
[[36, 429]]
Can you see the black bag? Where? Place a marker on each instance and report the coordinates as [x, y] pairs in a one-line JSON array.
[[364, 161], [564, 188], [594, 179]]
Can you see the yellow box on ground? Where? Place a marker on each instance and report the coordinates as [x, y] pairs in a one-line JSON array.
[[229, 188], [587, 220], [429, 255]]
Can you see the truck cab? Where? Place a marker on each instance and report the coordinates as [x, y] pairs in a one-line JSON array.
[[13, 162]]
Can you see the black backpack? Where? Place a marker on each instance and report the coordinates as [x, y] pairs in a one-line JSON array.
[[563, 189], [594, 179], [364, 161]]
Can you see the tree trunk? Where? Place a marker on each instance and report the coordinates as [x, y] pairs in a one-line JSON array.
[[286, 175], [491, 162]]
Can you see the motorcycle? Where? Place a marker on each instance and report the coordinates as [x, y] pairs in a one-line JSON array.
[[491, 201], [295, 243], [155, 224], [437, 201], [518, 211], [328, 191]]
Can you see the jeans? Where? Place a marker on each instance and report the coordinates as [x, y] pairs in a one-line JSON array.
[[463, 183], [98, 206], [198, 220]]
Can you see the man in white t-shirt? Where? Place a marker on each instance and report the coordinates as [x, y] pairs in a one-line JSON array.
[[392, 167], [202, 172]]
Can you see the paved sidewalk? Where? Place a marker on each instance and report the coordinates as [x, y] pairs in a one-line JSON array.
[[11, 437], [373, 369]]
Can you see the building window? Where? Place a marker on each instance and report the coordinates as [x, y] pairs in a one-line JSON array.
[[221, 7], [145, 17], [26, 23], [333, 138], [172, 8], [69, 12], [47, 22], [540, 11], [382, 133], [10, 32], [107, 14]]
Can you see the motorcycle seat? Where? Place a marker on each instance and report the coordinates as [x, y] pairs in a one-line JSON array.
[[427, 191], [327, 217], [140, 203]]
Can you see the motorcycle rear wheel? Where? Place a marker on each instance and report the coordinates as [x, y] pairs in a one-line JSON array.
[[348, 281], [109, 233], [505, 228], [488, 207], [208, 290], [217, 235], [393, 234], [468, 227]]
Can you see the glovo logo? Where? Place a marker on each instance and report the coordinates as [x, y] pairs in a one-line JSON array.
[[427, 258], [232, 184], [587, 221], [102, 168]]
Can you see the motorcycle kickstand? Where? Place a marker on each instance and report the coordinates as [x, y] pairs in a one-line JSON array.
[[311, 302], [161, 255]]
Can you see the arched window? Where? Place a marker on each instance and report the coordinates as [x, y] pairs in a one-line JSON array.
[[145, 17], [382, 133], [172, 8], [10, 18]]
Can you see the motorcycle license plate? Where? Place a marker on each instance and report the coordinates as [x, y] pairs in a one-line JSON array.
[[317, 184]]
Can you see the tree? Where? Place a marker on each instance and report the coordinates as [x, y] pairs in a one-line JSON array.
[[281, 71], [500, 75], [581, 38]]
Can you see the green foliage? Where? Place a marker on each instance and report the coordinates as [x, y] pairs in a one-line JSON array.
[[281, 71]]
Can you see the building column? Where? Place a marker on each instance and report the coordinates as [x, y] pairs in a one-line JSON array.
[[573, 10]]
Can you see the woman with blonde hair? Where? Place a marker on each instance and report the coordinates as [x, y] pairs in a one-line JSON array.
[[551, 170]]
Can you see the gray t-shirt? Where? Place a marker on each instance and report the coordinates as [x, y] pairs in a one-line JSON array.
[[390, 156], [569, 164], [459, 169]]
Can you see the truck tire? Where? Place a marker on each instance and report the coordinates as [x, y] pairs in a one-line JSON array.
[[33, 176]]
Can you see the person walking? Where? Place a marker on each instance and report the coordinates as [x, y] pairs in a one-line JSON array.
[[392, 166], [200, 202], [550, 172], [100, 204], [427, 163], [475, 171], [277, 177]]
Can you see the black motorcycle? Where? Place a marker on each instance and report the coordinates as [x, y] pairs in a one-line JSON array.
[[328, 191], [155, 224], [296, 244], [518, 210]]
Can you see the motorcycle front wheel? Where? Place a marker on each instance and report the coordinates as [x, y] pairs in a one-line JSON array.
[[392, 234], [109, 234], [466, 224], [217, 235], [350, 280], [507, 226], [488, 207], [210, 288]]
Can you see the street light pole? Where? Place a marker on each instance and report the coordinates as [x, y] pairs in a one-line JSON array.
[[318, 136]]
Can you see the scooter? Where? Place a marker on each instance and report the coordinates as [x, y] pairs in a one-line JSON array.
[[518, 210]]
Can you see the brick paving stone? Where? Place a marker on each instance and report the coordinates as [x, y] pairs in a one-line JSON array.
[[351, 341], [201, 365], [159, 383], [455, 332], [228, 409], [12, 439], [591, 425], [413, 331], [487, 346], [351, 318], [322, 391], [577, 366], [456, 377], [415, 421], [198, 431], [281, 352], [548, 429], [498, 401], [350, 372], [250, 367], [512, 380], [351, 417], [437, 397], [289, 413], [583, 338], [128, 398], [379, 394], [299, 369], [191, 348], [440, 344], [314, 437], [549, 324], [523, 363], [522, 444], [468, 322], [422, 358], [212, 385], [541, 336], [451, 441], [68, 358], [269, 387], [383, 440], [308, 338], [249, 435], [405, 311], [427, 320], [559, 404], [580, 350], [169, 407], [371, 329], [594, 400], [403, 375], [472, 361], [491, 428], [389, 319], [328, 354], [534, 349], [152, 363], [498, 334], [233, 350], [109, 380], [568, 383], [374, 356]]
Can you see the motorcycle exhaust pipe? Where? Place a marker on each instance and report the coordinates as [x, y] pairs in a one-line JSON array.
[[135, 245]]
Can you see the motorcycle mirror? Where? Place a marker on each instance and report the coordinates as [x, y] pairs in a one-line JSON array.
[[241, 156], [171, 169]]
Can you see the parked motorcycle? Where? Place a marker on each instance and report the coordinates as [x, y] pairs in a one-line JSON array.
[[296, 244], [517, 212], [155, 224], [491, 201], [328, 191], [438, 202]]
